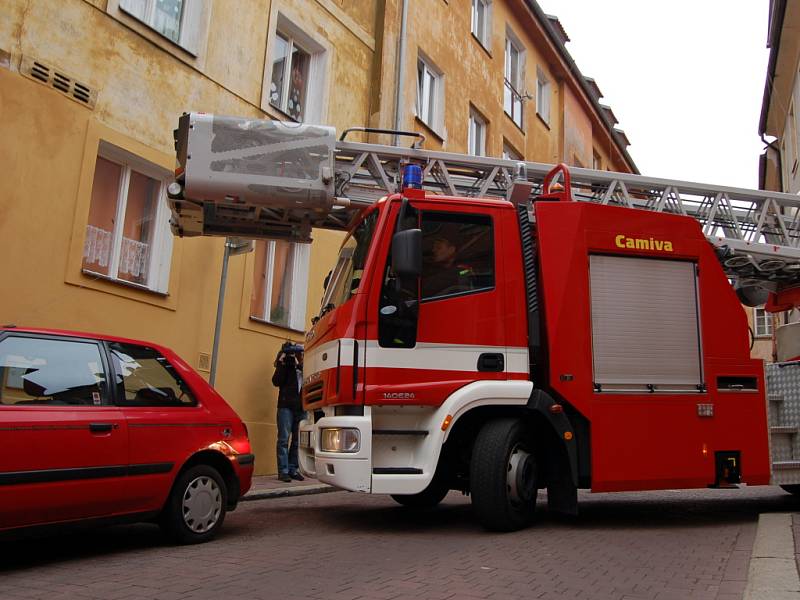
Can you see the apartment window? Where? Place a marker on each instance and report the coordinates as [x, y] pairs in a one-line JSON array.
[[476, 142], [280, 283], [481, 21], [510, 154], [762, 321], [512, 98], [429, 94], [176, 20], [127, 235], [597, 162], [542, 96], [290, 70]]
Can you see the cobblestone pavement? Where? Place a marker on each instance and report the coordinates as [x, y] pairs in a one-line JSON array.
[[345, 546]]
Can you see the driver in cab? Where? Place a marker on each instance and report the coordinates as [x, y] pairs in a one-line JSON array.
[[442, 272]]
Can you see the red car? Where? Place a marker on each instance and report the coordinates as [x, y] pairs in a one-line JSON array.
[[105, 428]]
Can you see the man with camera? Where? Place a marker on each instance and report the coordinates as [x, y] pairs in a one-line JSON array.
[[288, 378]]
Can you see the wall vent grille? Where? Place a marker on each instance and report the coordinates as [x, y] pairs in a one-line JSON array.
[[58, 80]]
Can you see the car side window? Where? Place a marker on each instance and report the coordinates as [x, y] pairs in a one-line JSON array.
[[40, 371], [457, 254], [145, 378]]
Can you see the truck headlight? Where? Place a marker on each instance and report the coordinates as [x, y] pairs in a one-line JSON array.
[[340, 439]]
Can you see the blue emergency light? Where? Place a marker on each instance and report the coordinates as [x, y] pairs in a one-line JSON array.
[[412, 177]]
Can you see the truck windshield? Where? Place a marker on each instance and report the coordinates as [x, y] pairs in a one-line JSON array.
[[349, 268]]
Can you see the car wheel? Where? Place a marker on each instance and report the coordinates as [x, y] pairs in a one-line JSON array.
[[196, 507], [427, 498], [504, 475]]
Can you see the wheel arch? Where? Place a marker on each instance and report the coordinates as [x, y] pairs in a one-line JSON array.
[[222, 464]]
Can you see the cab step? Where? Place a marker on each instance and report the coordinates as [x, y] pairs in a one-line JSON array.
[[786, 464], [783, 429]]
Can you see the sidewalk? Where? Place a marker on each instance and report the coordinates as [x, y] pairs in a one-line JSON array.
[[269, 486], [775, 559]]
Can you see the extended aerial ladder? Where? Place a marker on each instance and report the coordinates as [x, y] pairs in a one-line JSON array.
[[268, 179]]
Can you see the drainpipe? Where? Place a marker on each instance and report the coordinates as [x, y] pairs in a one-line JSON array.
[[398, 90]]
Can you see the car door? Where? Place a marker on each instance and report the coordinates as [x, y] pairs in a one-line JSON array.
[[458, 334], [65, 444], [166, 423]]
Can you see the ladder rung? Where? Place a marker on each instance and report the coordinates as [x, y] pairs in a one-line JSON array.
[[783, 429], [786, 464]]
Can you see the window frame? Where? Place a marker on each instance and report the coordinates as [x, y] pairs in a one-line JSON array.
[[301, 255], [543, 93], [160, 259], [435, 97], [316, 85], [480, 125], [107, 393], [512, 85], [760, 315], [484, 37]]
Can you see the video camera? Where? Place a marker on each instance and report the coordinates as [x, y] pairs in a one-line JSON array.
[[291, 349]]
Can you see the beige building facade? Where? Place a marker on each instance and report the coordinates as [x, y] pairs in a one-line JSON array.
[[779, 165], [90, 91]]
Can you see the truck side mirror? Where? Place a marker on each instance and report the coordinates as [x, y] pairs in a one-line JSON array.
[[407, 253]]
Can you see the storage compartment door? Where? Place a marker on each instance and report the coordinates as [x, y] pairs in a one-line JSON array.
[[645, 329]]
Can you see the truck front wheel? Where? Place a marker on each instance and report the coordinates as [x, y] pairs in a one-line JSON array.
[[503, 475]]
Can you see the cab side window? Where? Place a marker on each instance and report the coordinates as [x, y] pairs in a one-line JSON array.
[[457, 254], [38, 371], [145, 378]]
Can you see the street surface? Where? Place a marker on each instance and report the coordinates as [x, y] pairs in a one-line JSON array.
[[344, 546]]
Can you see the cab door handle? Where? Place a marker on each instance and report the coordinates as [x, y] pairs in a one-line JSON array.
[[101, 427]]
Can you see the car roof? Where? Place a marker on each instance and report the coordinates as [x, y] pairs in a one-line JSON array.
[[81, 334]]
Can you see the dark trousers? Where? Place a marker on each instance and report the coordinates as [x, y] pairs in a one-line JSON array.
[[288, 423]]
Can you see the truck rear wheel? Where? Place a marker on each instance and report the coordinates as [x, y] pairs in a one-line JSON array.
[[503, 475], [427, 498]]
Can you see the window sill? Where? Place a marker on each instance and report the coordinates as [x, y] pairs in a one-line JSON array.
[[430, 129], [482, 45], [122, 282], [280, 113], [278, 325], [541, 118], [160, 35], [510, 118]]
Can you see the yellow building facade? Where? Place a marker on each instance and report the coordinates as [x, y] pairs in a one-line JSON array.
[[90, 91]]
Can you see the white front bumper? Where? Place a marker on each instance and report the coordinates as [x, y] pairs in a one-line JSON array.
[[349, 471]]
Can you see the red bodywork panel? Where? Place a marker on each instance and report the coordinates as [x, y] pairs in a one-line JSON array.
[[646, 441], [62, 471]]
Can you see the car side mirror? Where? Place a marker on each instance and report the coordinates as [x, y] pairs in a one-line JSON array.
[[407, 253]]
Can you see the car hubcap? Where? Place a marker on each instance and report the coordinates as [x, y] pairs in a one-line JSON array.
[[521, 477], [202, 504]]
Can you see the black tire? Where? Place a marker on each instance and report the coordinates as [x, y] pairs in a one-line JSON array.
[[503, 475], [196, 506], [427, 498], [794, 490]]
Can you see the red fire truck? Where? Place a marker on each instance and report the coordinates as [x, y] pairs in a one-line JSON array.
[[499, 328]]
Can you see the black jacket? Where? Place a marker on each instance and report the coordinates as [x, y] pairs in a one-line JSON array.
[[285, 379]]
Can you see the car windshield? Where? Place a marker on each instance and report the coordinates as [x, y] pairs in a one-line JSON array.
[[346, 275]]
